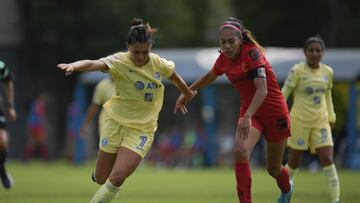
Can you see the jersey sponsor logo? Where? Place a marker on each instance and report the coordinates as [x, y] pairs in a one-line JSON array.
[[148, 97], [316, 100], [104, 142], [139, 85], [309, 90], [254, 54], [153, 85], [305, 78]]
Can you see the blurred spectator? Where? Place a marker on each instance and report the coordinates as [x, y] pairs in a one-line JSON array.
[[37, 131]]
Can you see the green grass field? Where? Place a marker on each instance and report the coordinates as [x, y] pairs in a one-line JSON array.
[[60, 182]]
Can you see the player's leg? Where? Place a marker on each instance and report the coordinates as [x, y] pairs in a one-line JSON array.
[[104, 164], [276, 133], [242, 152], [297, 144], [5, 179], [294, 160], [133, 146], [323, 144]]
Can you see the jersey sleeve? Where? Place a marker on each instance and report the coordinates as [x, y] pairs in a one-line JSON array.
[[328, 97], [292, 78], [167, 67], [218, 68], [109, 60], [254, 58]]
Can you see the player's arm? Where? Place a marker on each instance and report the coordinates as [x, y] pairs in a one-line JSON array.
[[330, 108], [204, 80], [10, 95], [82, 66], [259, 78], [181, 85], [90, 114], [201, 82]]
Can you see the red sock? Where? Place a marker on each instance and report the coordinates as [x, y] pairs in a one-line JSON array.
[[243, 179], [283, 180], [28, 152]]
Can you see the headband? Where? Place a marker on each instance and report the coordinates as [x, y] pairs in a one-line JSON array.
[[230, 26]]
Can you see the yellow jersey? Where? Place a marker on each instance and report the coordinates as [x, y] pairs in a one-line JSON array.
[[139, 91], [103, 91], [312, 104]]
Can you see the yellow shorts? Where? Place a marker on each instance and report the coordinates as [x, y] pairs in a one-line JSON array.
[[310, 138], [114, 135]]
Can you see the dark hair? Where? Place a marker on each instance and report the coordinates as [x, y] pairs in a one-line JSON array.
[[140, 32], [244, 33], [314, 39]]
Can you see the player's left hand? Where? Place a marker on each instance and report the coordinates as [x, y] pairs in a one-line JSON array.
[[180, 105]]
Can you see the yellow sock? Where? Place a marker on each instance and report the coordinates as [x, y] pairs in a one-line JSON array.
[[333, 182], [291, 172], [106, 193]]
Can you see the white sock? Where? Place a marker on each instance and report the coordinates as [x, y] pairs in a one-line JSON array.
[[333, 182], [106, 193]]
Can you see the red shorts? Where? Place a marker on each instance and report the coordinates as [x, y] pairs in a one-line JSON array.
[[37, 132], [274, 128]]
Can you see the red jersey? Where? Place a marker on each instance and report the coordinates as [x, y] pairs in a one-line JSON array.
[[240, 73]]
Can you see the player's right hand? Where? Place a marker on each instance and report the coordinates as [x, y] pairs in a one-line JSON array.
[[67, 67]]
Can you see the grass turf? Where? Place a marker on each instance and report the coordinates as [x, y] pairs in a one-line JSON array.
[[60, 182]]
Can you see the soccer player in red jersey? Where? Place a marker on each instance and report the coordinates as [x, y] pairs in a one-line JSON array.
[[263, 108]]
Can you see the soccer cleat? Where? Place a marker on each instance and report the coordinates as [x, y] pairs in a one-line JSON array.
[[6, 180], [93, 177], [286, 197]]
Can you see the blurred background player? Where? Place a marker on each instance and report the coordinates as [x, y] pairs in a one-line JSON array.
[[37, 136], [6, 78], [102, 93], [132, 113], [263, 107], [312, 113]]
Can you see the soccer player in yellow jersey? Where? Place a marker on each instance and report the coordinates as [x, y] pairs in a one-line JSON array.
[[132, 113], [312, 113], [102, 93]]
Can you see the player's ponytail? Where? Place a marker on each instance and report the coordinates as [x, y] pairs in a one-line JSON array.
[[140, 32]]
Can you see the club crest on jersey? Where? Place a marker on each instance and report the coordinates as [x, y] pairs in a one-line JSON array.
[[326, 78], [139, 85], [157, 75], [104, 142], [244, 67]]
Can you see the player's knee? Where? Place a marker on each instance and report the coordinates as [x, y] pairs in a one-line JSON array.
[[274, 171], [326, 160], [242, 154]]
